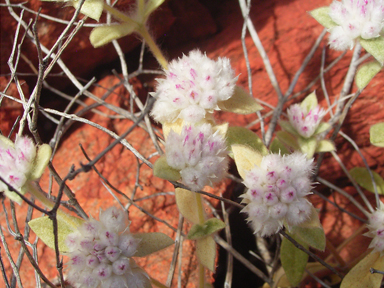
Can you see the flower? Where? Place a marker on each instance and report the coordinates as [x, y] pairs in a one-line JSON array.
[[19, 163], [193, 86], [305, 122], [354, 19], [100, 254], [276, 192], [199, 154], [376, 229]]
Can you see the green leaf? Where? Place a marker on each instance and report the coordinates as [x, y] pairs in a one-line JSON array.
[[151, 243], [321, 15], [245, 158], [288, 139], [203, 230], [278, 147], [41, 161], [376, 133], [244, 136], [323, 126], [286, 126], [361, 176], [43, 228], [241, 102], [293, 260], [206, 252], [90, 8], [375, 47], [307, 146], [186, 203], [162, 170], [325, 146], [360, 276], [103, 35], [310, 102], [311, 232], [366, 72]]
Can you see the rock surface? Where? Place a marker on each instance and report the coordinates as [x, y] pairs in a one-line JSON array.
[[287, 33]]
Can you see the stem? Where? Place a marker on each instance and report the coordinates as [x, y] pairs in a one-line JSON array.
[[157, 283], [61, 215], [201, 276], [200, 213], [119, 15]]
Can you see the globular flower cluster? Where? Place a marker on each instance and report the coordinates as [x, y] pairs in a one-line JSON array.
[[16, 161], [305, 123], [276, 192], [376, 229], [199, 154], [100, 254], [193, 86], [355, 18]]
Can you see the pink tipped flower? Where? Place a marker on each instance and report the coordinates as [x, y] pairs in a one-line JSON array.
[[305, 123], [276, 192], [18, 164], [199, 154], [193, 86], [355, 18], [376, 229], [100, 252]]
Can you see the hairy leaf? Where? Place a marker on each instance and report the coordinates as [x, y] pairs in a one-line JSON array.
[[307, 146], [325, 146], [208, 228], [41, 161], [176, 126], [278, 147], [376, 133], [362, 177], [162, 170], [241, 102], [244, 136], [151, 243], [366, 72], [105, 34], [322, 16], [286, 126], [375, 47], [206, 252], [323, 126], [310, 102], [245, 158], [186, 203], [90, 8], [288, 139]]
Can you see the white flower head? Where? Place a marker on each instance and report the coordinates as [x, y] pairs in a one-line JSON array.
[[18, 164], [100, 253], [193, 86], [305, 122], [199, 153], [276, 192], [376, 229], [355, 18]]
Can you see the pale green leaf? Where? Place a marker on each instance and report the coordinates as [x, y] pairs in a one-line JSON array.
[[366, 72], [293, 260], [90, 8], [151, 6], [186, 203], [222, 129], [103, 35], [310, 102], [323, 126], [376, 133], [311, 232], [41, 161], [277, 147], [241, 102], [176, 126], [203, 230], [286, 126], [151, 243], [245, 158], [375, 47], [325, 146], [206, 252], [244, 136], [360, 276], [43, 228], [362, 177], [162, 170], [321, 15], [7, 142], [288, 139], [307, 146]]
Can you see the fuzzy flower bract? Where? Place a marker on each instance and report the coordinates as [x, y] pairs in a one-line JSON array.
[[376, 229], [199, 154], [355, 18], [193, 86], [100, 254], [276, 192], [21, 162], [305, 122]]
